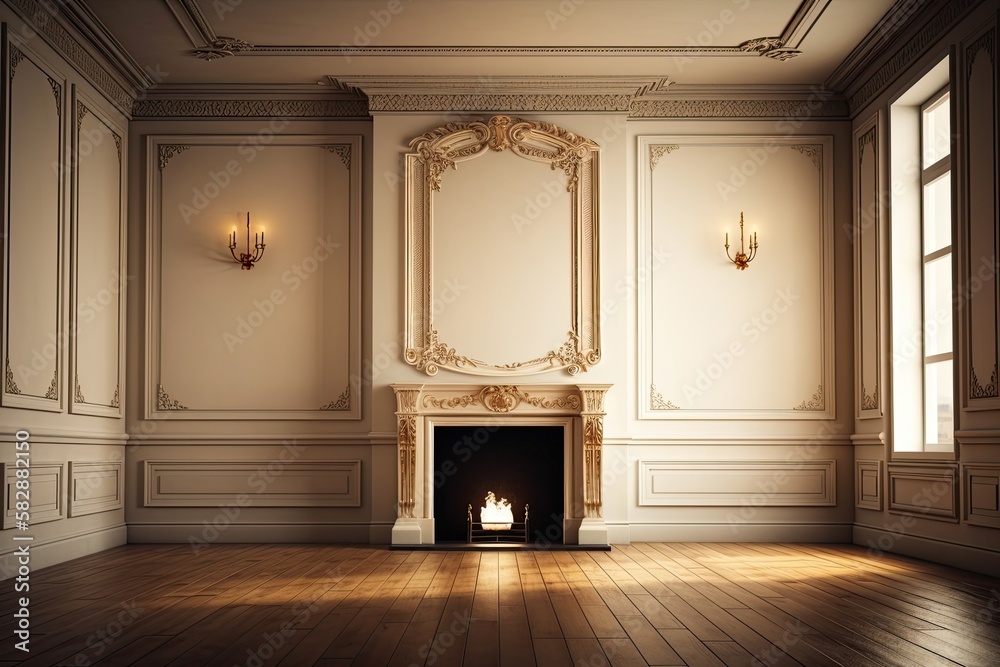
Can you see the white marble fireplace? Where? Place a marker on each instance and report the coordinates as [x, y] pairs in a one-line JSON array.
[[579, 408]]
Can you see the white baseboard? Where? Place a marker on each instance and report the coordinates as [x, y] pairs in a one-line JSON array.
[[618, 533], [198, 535], [60, 550], [749, 532], [975, 559]]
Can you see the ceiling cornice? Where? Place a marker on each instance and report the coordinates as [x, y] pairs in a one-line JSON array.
[[638, 97], [921, 29], [73, 26], [174, 107], [819, 106], [570, 94]]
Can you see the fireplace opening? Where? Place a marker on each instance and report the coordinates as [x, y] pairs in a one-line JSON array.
[[522, 464]]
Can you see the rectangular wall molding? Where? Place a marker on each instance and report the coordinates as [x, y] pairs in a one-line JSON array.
[[247, 353], [981, 486], [685, 190], [928, 490], [95, 486], [868, 485], [735, 483], [257, 483], [46, 494], [864, 236]]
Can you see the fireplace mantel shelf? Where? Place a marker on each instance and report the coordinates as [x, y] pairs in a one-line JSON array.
[[578, 407]]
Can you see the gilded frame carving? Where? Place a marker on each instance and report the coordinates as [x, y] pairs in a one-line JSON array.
[[438, 150]]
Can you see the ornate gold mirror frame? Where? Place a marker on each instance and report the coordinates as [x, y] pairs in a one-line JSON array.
[[443, 148]]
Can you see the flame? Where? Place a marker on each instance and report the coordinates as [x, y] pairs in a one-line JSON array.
[[496, 516]]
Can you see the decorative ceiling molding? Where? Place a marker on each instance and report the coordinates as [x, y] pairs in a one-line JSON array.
[[772, 47], [802, 22], [938, 24], [222, 47], [208, 45], [873, 44], [520, 93], [800, 109], [762, 45], [189, 14], [198, 20], [192, 108], [40, 18], [345, 50]]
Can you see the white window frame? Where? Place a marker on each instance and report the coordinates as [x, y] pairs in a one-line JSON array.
[[906, 419]]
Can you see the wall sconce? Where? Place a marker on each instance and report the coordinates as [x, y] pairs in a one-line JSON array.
[[742, 259], [245, 259]]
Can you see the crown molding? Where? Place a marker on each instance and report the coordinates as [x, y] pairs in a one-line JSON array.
[[471, 85], [101, 40], [69, 33], [356, 97], [321, 90], [803, 109], [511, 94], [156, 108], [873, 45], [920, 31], [778, 101]]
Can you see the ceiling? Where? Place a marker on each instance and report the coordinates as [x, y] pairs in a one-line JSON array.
[[743, 43]]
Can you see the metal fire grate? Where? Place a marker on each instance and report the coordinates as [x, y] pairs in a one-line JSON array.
[[477, 534]]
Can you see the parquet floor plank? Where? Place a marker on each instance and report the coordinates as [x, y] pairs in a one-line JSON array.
[[641, 604]]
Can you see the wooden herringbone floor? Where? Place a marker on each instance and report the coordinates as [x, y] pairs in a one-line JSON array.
[[657, 604]]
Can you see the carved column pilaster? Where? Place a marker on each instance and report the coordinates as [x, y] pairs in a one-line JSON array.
[[406, 424], [592, 416]]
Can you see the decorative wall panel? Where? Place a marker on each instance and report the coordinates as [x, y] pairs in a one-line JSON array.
[[262, 483], [33, 349], [928, 490], [981, 484], [981, 386], [722, 343], [501, 249], [278, 341], [868, 485], [864, 232], [98, 268], [736, 483], [95, 486], [46, 494]]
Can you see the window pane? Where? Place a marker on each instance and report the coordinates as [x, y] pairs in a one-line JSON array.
[[937, 131], [937, 306], [939, 408], [937, 214]]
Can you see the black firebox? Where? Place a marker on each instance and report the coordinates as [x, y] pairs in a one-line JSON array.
[[523, 464]]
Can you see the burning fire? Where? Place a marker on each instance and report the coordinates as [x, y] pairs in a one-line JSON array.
[[496, 516]]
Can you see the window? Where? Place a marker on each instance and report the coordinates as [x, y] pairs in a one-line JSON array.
[[935, 200], [921, 261]]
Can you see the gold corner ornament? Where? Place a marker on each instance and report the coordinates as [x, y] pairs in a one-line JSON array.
[[164, 402], [343, 402], [815, 404]]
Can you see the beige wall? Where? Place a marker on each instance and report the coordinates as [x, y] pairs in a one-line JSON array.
[[63, 306], [276, 447], [784, 442]]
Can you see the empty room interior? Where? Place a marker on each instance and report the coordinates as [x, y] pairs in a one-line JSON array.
[[555, 332]]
